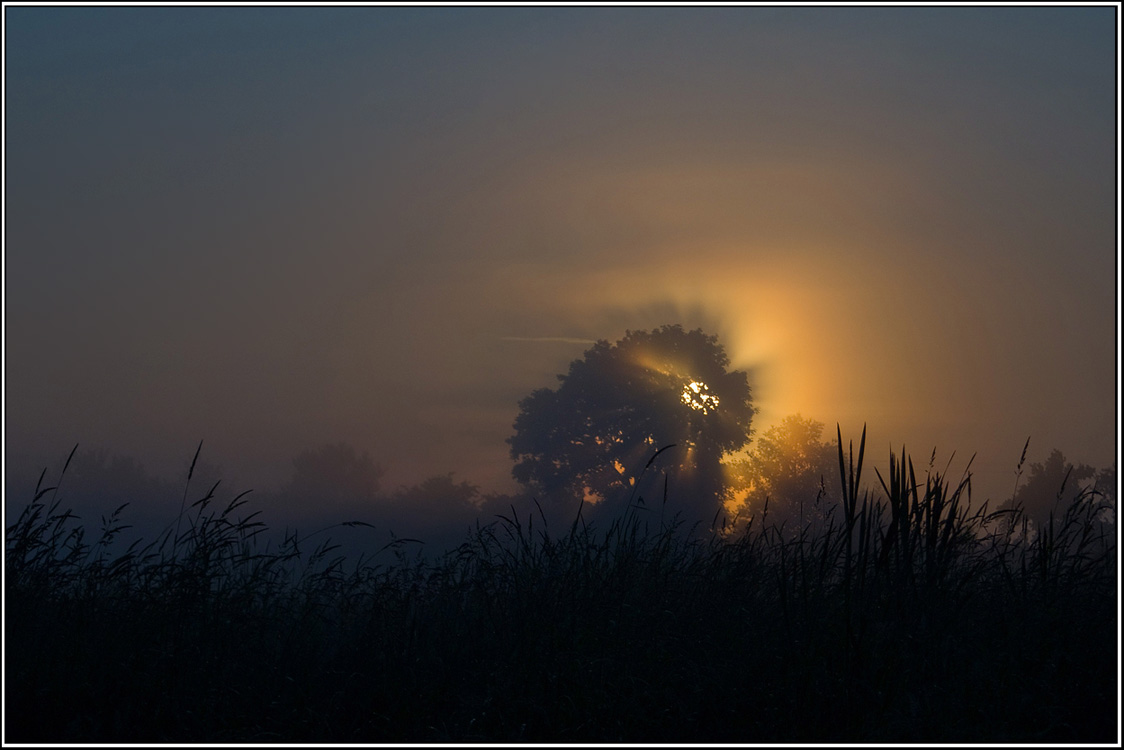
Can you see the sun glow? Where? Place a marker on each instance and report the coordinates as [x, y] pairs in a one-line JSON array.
[[698, 396]]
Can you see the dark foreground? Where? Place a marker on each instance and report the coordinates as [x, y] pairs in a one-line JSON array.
[[902, 617]]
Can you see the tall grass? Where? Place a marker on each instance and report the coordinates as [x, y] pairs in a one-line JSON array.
[[909, 615]]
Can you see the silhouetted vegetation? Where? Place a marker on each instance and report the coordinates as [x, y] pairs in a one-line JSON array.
[[1055, 484], [904, 614], [620, 403], [788, 471]]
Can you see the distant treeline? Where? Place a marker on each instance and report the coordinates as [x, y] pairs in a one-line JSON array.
[[788, 473]]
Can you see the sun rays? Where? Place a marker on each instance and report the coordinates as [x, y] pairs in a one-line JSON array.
[[698, 396]]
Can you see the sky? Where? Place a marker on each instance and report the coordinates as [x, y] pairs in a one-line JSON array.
[[275, 228]]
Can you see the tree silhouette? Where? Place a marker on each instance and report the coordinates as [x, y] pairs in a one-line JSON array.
[[620, 403], [1051, 487], [791, 467], [333, 475]]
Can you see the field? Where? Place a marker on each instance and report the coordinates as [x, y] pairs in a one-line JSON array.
[[904, 614]]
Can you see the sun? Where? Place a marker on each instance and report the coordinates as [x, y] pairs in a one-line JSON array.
[[698, 396]]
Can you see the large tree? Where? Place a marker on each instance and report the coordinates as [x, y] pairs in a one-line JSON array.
[[620, 404]]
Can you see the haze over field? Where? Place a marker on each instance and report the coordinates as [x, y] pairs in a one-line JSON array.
[[278, 228]]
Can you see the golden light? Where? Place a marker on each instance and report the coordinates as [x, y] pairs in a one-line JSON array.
[[698, 396]]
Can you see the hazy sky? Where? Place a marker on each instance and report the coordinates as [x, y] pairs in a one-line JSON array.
[[273, 228]]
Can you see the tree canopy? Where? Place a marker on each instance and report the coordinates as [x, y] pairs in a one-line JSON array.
[[623, 402], [1055, 484], [791, 467]]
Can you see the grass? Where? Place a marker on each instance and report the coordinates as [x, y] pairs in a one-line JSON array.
[[907, 616]]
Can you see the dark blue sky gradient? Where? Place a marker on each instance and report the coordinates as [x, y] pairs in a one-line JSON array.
[[277, 227]]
